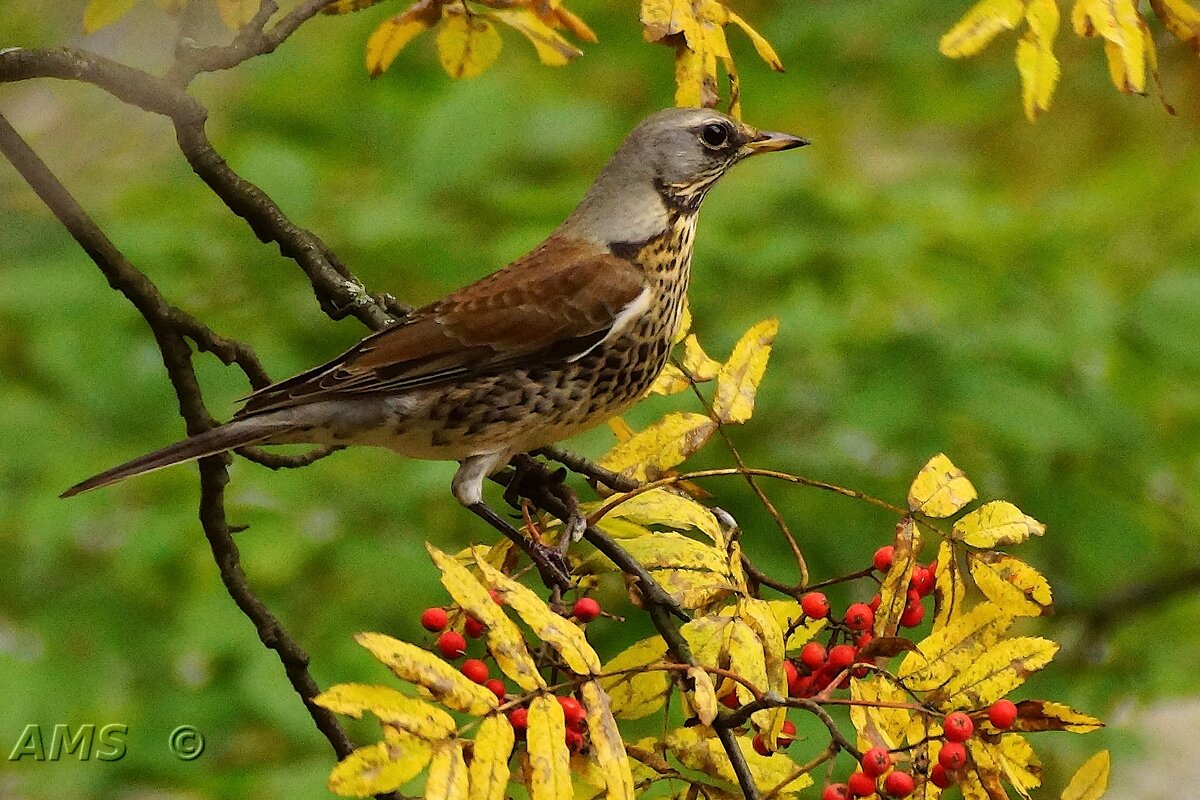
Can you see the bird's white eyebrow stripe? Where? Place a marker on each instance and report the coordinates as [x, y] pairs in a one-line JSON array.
[[621, 322]]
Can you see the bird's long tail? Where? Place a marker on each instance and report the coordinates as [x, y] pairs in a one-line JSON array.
[[238, 433]]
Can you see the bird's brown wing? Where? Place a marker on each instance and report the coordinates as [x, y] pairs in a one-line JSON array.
[[551, 305]]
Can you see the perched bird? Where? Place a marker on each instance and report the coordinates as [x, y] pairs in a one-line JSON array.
[[562, 339]]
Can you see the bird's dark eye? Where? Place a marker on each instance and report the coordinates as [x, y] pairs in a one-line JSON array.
[[715, 134]]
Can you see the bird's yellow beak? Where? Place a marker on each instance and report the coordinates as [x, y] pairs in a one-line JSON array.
[[770, 141]]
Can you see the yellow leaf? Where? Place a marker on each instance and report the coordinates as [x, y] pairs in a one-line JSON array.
[[567, 638], [552, 49], [1010, 583], [504, 639], [878, 726], [1120, 24], [737, 382], [696, 362], [563, 18], [980, 25], [948, 649], [699, 749], [493, 745], [675, 551], [685, 322], [236, 13], [386, 41], [618, 529], [689, 77], [607, 744], [693, 589], [745, 654], [787, 613], [765, 51], [99, 13], [661, 446], [408, 714], [448, 778], [662, 507], [663, 18], [1181, 19], [1036, 63], [549, 760], [704, 695], [1090, 781], [980, 680], [447, 685], [1041, 715], [1019, 764], [940, 488], [893, 591], [637, 693], [996, 523], [670, 381], [948, 590], [380, 767], [757, 614], [706, 638], [466, 45]]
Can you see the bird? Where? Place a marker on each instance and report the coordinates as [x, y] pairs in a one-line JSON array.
[[562, 339]]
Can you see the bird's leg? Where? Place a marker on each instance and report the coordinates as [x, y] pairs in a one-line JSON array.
[[468, 490], [526, 468]]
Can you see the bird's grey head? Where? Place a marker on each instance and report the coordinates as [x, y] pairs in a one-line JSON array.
[[667, 163]]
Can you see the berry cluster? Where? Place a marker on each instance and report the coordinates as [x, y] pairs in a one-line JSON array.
[[452, 646], [920, 586]]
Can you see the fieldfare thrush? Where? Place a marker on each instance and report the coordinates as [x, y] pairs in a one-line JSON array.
[[562, 339]]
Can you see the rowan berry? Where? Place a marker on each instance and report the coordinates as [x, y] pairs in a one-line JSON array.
[[573, 711], [474, 628], [586, 609], [475, 670], [760, 746], [815, 605], [496, 687], [836, 791], [1002, 714], [451, 645], [859, 617], [574, 741], [519, 719], [434, 620], [898, 784], [813, 655], [875, 762], [884, 557], [787, 734], [861, 784], [841, 656], [957, 727], [952, 756], [923, 580], [939, 777], [874, 604], [730, 700], [912, 616]]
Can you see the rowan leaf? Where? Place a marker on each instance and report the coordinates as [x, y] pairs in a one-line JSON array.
[[236, 13], [504, 639], [1010, 583], [446, 684], [549, 759], [493, 746], [661, 446], [996, 523], [380, 767], [608, 747], [671, 510], [448, 778], [694, 589], [552, 49], [663, 18], [980, 25], [878, 726], [1180, 18], [757, 614], [1120, 25], [706, 637], [737, 382], [467, 45], [1012, 758], [704, 695], [675, 551], [1036, 63], [893, 591], [948, 590], [101, 13], [764, 49], [408, 714], [387, 40], [940, 488], [1042, 715], [690, 88], [1090, 781], [978, 680], [558, 16], [172, 7], [948, 649], [744, 652], [699, 749], [697, 363], [789, 617], [567, 638], [637, 692], [672, 380]]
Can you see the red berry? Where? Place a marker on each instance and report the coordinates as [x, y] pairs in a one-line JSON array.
[[519, 719], [922, 580], [586, 609], [875, 762], [939, 777], [805, 686], [874, 604], [884, 557], [730, 700], [434, 620], [952, 756], [861, 784], [841, 656], [495, 595], [474, 628], [815, 605], [573, 711], [574, 741], [787, 734], [836, 791], [912, 615], [862, 641], [496, 687], [760, 746], [898, 784], [1002, 714], [957, 727], [451, 645], [859, 617], [813, 655], [475, 670]]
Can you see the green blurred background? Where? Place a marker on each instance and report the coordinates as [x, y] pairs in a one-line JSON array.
[[949, 277]]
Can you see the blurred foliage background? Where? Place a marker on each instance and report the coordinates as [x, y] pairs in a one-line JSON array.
[[1024, 297]]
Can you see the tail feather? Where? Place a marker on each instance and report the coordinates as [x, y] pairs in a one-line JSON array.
[[239, 433]]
